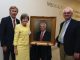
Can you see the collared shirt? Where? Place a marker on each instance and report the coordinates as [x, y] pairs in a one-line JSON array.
[[62, 33], [13, 21], [43, 32]]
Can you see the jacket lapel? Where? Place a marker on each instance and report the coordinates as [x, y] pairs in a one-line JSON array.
[[69, 26]]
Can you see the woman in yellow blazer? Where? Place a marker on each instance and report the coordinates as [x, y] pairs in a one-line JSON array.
[[21, 39]]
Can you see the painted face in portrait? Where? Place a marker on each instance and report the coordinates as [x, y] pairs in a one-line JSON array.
[[42, 26]]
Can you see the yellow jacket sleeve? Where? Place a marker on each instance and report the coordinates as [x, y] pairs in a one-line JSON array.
[[16, 36]]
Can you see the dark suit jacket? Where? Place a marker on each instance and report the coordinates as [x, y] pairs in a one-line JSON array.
[[41, 51], [0, 32], [46, 37], [7, 31], [71, 37]]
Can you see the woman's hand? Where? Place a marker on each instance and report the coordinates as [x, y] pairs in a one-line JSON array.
[[15, 50]]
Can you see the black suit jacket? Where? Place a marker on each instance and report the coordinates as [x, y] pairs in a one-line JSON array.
[[71, 37], [39, 50], [7, 31], [46, 37]]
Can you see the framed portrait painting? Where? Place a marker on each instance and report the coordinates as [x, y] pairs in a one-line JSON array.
[[42, 30]]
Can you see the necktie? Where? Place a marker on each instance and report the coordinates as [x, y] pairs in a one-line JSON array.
[[14, 23], [63, 30], [41, 36]]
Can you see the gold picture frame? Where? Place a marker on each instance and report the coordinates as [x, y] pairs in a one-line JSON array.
[[34, 26]]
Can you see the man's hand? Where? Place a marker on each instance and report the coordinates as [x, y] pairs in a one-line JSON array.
[[15, 50], [4, 48], [76, 55]]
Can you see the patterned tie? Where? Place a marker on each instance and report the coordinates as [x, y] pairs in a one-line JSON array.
[[61, 35], [41, 36]]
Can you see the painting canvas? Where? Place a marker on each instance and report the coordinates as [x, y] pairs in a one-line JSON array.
[[45, 24]]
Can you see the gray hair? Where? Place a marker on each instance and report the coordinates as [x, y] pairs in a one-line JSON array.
[[43, 23], [68, 9]]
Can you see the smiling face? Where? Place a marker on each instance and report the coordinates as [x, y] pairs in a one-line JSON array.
[[13, 11], [24, 21], [67, 13], [42, 26]]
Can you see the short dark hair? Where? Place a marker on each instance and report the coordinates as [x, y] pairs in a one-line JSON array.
[[23, 16], [13, 7]]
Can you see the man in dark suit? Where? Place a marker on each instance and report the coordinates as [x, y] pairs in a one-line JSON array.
[[69, 36], [41, 52], [46, 35], [7, 33]]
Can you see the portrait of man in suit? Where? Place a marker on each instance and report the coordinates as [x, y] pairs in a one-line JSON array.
[[43, 33], [41, 52]]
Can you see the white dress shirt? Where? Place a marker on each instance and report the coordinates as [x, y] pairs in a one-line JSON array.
[[13, 21], [63, 30]]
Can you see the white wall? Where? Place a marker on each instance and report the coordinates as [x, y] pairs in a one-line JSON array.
[[40, 8], [32, 7]]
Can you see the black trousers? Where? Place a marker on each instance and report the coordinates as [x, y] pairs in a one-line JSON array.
[[40, 53], [10, 51]]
